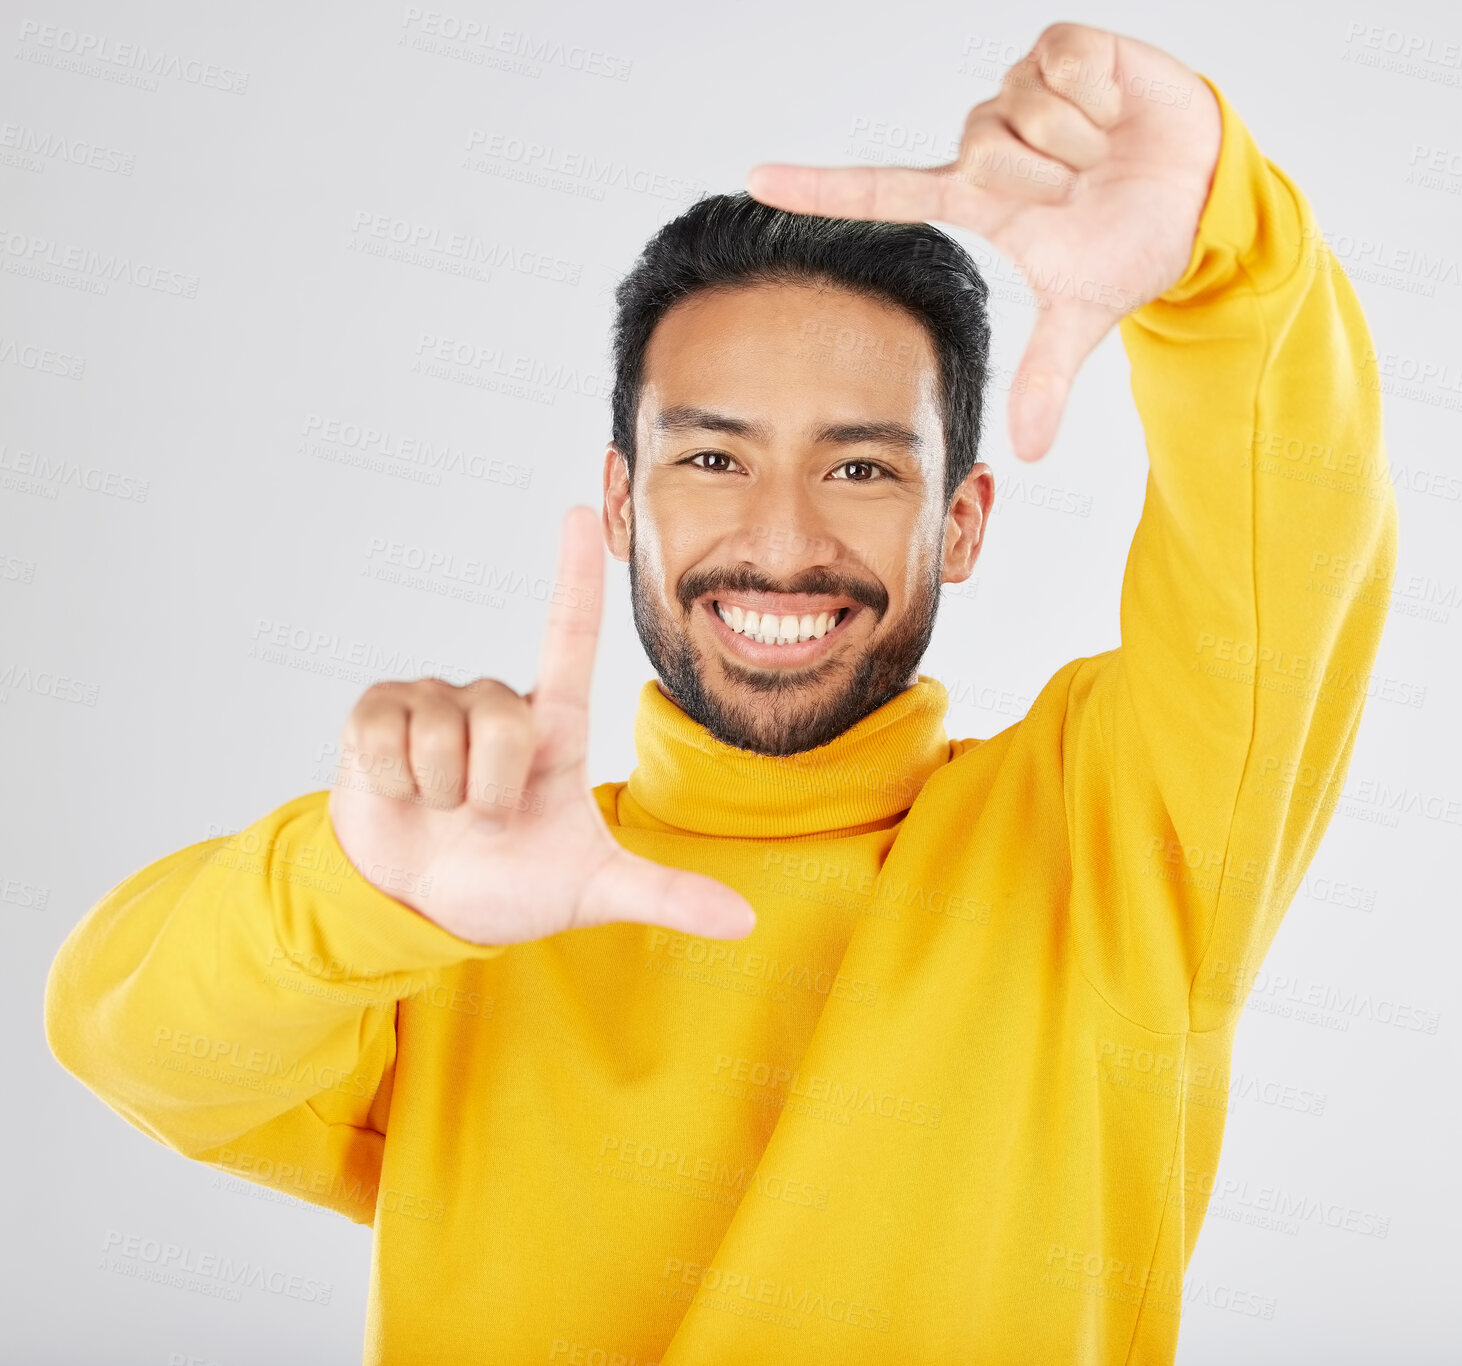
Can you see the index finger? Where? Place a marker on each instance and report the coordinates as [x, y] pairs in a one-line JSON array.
[[566, 659], [890, 194]]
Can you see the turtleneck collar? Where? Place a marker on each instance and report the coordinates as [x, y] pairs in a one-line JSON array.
[[688, 780]]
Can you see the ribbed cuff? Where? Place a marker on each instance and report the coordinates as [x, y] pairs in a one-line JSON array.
[[326, 907]]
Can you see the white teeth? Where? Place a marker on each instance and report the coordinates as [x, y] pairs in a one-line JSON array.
[[771, 629]]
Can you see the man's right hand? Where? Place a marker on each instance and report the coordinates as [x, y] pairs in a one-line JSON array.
[[480, 795]]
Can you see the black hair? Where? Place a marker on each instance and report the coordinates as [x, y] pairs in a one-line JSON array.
[[731, 240]]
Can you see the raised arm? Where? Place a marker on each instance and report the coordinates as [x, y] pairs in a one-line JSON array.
[[1202, 759], [1216, 740]]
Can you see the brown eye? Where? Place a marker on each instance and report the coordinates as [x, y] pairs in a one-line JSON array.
[[868, 468], [711, 455]]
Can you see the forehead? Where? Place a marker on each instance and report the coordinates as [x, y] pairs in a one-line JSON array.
[[792, 355]]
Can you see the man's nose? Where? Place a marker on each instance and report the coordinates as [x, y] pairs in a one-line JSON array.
[[783, 531]]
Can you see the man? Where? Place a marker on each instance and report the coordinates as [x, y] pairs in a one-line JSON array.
[[823, 1038]]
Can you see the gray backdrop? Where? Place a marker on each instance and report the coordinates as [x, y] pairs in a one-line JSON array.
[[222, 519]]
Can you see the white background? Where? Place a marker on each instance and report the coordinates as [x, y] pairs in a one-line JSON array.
[[248, 200]]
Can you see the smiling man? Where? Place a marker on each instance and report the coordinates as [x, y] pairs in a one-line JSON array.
[[823, 1037]]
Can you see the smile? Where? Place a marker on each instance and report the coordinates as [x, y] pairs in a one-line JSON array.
[[771, 629], [780, 638]]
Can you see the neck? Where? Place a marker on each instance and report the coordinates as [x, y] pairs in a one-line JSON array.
[[688, 780]]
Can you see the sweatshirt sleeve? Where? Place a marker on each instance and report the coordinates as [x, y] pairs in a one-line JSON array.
[[237, 1000], [1203, 758]]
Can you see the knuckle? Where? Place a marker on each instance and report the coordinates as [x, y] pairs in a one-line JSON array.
[[1063, 36], [1018, 77], [500, 727], [1036, 123], [379, 732], [981, 121], [437, 729], [374, 701], [490, 688], [978, 148]]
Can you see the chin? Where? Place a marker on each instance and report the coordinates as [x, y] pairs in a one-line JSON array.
[[789, 697], [779, 712]]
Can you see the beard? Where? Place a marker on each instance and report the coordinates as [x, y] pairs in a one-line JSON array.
[[783, 711]]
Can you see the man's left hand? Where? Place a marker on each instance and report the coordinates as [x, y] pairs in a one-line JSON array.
[[1089, 170]]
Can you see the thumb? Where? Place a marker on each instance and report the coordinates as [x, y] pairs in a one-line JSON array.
[[1065, 334], [627, 887]]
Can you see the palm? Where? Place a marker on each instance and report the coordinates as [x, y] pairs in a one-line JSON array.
[[1080, 254], [555, 866], [540, 867]]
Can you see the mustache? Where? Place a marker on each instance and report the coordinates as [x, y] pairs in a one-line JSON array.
[[747, 579]]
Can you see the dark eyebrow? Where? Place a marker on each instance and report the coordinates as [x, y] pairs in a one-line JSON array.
[[882, 433], [684, 417]]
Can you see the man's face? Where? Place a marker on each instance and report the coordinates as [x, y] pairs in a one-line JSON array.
[[786, 532]]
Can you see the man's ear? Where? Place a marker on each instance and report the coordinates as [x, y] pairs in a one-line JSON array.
[[617, 510], [964, 527]]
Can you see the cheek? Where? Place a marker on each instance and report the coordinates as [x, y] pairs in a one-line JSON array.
[[894, 547], [676, 532], [915, 577], [664, 549]]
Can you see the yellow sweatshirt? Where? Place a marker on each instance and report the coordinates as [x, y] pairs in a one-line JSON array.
[[960, 1095]]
